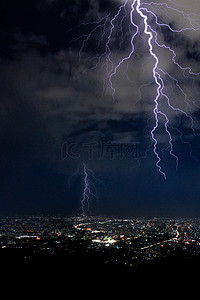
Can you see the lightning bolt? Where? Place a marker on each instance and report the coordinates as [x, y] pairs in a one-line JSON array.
[[149, 25], [156, 111], [89, 193]]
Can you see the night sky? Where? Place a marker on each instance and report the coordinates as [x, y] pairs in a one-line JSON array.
[[54, 95]]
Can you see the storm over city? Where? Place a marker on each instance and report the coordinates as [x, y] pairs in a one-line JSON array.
[[99, 138]]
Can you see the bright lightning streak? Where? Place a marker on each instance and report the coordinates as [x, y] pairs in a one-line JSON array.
[[89, 189], [86, 191], [139, 9], [155, 76]]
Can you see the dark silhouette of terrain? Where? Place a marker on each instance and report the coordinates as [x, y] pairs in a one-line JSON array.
[[29, 274]]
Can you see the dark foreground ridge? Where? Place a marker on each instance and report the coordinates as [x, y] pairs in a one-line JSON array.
[[50, 258]]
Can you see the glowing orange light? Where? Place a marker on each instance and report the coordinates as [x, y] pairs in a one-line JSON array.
[[89, 229], [37, 238]]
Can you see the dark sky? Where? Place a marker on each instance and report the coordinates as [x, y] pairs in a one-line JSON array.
[[54, 94]]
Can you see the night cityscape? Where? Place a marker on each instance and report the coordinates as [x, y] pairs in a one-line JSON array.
[[139, 239], [83, 245], [99, 148]]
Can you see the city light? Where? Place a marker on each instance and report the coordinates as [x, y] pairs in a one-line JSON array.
[[130, 240]]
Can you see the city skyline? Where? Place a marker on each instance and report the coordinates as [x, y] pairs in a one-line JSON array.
[[139, 250], [130, 241]]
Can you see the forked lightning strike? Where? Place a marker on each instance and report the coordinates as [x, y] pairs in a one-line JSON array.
[[149, 25], [89, 192]]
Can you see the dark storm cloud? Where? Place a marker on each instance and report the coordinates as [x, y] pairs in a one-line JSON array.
[[25, 42], [61, 100], [50, 96], [57, 85]]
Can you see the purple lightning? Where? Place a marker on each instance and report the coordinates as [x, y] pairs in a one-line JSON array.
[[88, 192], [89, 186], [156, 111], [144, 11]]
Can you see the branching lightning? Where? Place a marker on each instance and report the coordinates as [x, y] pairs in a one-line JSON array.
[[149, 24], [89, 192]]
